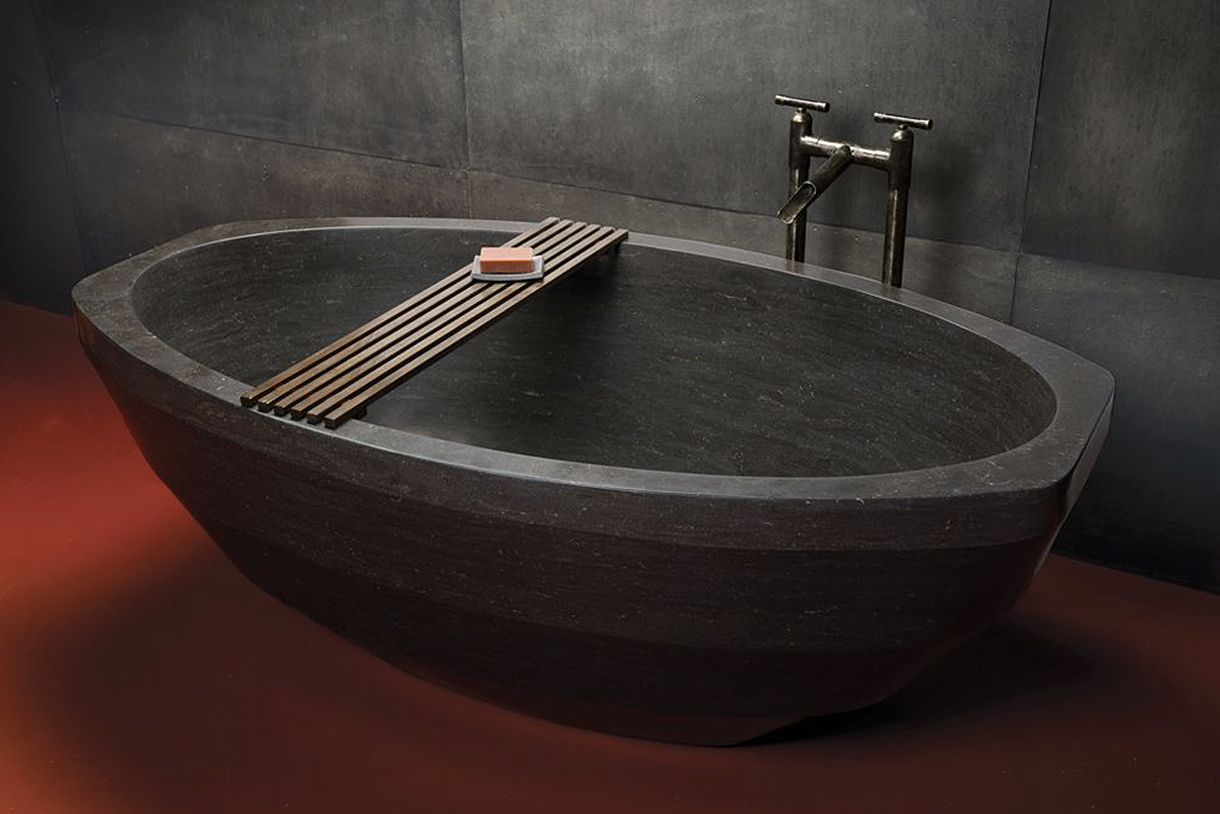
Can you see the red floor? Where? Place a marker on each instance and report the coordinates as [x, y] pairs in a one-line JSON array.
[[140, 672]]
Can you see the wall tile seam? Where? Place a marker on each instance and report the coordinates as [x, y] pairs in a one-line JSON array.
[[1110, 267], [1029, 165], [813, 222], [467, 170], [468, 178], [44, 52], [465, 105], [734, 212], [73, 108]]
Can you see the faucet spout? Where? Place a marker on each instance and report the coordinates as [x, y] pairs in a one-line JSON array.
[[810, 190]]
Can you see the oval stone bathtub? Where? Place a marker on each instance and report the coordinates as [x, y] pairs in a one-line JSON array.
[[688, 493]]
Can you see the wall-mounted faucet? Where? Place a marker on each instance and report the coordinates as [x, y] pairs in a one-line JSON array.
[[804, 188]]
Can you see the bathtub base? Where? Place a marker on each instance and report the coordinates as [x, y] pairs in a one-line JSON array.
[[656, 691], [695, 730]]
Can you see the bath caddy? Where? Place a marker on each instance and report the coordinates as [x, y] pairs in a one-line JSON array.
[[339, 381]]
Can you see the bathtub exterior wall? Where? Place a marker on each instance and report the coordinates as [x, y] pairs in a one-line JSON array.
[[634, 594], [1068, 156]]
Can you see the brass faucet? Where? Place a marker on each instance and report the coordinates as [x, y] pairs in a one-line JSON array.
[[804, 188]]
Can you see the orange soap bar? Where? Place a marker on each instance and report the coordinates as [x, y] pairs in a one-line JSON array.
[[506, 260]]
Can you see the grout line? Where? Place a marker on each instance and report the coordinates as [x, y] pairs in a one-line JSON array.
[[1012, 296], [199, 128], [468, 181], [671, 201], [739, 212], [73, 198], [469, 172], [1029, 167], [465, 103]]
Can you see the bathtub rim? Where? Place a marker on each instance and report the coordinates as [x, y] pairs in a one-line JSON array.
[[1051, 459]]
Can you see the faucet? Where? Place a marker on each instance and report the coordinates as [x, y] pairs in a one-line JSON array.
[[805, 188]]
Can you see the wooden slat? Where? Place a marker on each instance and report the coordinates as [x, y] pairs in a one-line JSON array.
[[252, 395], [344, 405], [392, 344], [292, 391], [340, 380]]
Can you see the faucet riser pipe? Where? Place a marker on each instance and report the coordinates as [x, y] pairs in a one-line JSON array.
[[902, 144], [895, 238], [798, 173]]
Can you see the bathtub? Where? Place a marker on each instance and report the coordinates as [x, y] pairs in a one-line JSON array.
[[690, 493]]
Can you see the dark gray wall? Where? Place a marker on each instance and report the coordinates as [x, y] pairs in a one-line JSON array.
[[1068, 186], [39, 248], [1119, 262]]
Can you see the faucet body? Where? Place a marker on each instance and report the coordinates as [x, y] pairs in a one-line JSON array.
[[804, 189]]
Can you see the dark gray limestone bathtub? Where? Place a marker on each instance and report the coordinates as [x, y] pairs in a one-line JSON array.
[[690, 493]]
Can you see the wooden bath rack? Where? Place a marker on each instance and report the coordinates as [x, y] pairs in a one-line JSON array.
[[339, 381]]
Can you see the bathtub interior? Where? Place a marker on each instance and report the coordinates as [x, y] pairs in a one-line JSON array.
[[650, 359]]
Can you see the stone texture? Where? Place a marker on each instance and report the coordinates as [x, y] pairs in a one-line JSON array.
[[380, 77], [672, 99], [1124, 170], [1152, 503], [650, 360], [621, 598], [139, 184], [39, 249], [974, 278]]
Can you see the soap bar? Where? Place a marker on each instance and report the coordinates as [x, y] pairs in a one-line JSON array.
[[506, 260]]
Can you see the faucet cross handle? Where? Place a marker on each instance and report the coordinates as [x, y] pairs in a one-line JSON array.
[[801, 104], [902, 121]]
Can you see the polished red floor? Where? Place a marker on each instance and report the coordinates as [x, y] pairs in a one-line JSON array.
[[140, 672]]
